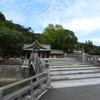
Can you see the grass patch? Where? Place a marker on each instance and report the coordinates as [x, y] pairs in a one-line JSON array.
[[4, 82], [7, 82]]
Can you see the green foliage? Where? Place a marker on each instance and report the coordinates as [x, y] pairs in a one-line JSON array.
[[97, 49], [2, 17], [11, 42], [7, 24], [37, 36], [89, 47], [50, 34], [59, 38], [28, 34], [66, 40], [79, 46], [12, 37]]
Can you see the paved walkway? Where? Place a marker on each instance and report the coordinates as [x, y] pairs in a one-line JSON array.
[[73, 93], [73, 80]]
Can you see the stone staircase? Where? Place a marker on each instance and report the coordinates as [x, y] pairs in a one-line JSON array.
[[66, 72]]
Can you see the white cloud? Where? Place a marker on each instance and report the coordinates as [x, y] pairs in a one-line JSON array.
[[80, 16], [83, 26], [95, 40], [16, 17]]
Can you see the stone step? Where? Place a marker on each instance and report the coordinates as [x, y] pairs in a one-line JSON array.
[[70, 66], [69, 73], [75, 76], [73, 83], [74, 72], [61, 62], [76, 68]]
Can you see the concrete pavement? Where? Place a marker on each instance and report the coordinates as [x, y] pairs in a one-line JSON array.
[[73, 80], [91, 92]]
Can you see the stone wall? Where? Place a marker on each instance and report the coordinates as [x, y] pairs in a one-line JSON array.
[[13, 71], [11, 61]]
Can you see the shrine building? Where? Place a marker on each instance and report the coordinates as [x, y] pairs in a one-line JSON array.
[[43, 50]]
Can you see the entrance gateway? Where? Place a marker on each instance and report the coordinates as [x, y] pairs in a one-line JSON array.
[[43, 50]]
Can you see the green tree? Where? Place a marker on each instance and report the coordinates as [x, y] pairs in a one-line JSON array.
[[50, 34], [2, 17], [66, 41], [11, 42], [28, 33], [7, 24], [37, 36], [89, 47], [59, 38]]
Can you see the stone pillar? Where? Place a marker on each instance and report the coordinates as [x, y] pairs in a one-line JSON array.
[[15, 56], [55, 56], [65, 55], [45, 54], [47, 69], [40, 55], [83, 54], [20, 56], [49, 56], [26, 56]]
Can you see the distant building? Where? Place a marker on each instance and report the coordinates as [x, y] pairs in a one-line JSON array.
[[43, 50]]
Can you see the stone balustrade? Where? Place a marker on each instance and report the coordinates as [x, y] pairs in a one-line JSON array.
[[87, 58]]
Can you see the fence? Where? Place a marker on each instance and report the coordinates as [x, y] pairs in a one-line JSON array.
[[12, 61], [93, 59], [87, 58], [31, 90], [34, 85]]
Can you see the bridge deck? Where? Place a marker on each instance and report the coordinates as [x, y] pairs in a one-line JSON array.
[[83, 86], [73, 93]]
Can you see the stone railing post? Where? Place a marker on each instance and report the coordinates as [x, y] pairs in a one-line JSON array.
[[83, 57], [47, 69], [31, 91], [1, 94], [96, 60]]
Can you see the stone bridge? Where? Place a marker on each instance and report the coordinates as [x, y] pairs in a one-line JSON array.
[[71, 79]]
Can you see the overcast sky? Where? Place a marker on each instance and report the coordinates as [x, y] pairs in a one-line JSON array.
[[80, 16]]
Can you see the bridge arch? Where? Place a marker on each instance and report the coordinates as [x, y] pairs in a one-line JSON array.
[[31, 71]]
